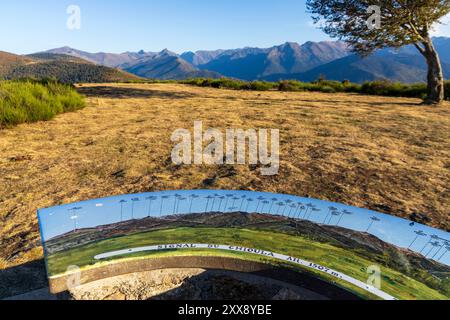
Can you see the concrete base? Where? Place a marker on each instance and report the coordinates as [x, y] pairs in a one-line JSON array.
[[301, 280]]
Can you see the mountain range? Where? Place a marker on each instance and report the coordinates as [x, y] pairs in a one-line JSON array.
[[307, 62], [332, 60]]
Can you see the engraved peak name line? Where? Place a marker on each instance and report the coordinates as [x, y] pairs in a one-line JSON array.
[[265, 253]]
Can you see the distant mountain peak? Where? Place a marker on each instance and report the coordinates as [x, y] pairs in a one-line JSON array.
[[290, 44], [166, 51], [65, 47]]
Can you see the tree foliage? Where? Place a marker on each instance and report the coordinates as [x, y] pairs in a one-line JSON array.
[[367, 25], [403, 22]]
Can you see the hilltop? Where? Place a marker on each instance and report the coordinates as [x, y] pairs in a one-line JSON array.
[[64, 68], [9, 61]]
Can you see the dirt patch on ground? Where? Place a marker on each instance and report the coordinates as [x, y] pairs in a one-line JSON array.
[[386, 154]]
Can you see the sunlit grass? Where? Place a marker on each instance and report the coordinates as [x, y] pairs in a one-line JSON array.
[[27, 101]]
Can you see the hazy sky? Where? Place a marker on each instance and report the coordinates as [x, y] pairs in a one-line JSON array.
[[28, 26]]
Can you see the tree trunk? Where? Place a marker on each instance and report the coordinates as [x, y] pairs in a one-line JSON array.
[[435, 74]]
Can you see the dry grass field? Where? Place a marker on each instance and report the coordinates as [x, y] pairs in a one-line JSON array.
[[386, 154]]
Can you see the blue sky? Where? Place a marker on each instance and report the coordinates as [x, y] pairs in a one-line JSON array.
[[28, 26], [115, 26], [153, 25]]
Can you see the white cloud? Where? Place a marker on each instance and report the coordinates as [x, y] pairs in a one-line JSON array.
[[443, 28]]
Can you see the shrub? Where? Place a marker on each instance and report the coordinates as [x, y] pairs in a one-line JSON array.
[[30, 101], [375, 88], [262, 86], [330, 86], [379, 88], [327, 89], [290, 85], [394, 89]]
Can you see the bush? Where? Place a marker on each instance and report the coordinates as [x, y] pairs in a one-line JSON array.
[[379, 88], [330, 86], [290, 85], [327, 89], [262, 86], [394, 89], [30, 101]]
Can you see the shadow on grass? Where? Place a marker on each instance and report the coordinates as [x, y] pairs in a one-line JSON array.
[[22, 279], [357, 103], [129, 93]]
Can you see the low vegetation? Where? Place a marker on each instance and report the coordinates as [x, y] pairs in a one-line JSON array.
[[31, 101], [376, 88]]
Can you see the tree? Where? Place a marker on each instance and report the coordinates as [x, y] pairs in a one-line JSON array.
[[368, 25]]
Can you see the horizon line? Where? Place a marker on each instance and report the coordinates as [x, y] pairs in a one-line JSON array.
[[190, 51]]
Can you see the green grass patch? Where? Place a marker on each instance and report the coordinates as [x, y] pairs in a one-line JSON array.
[[30, 101], [347, 261]]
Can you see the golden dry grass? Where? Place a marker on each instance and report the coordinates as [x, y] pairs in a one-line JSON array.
[[386, 154]]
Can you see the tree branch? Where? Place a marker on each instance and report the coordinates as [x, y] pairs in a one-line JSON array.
[[421, 50]]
